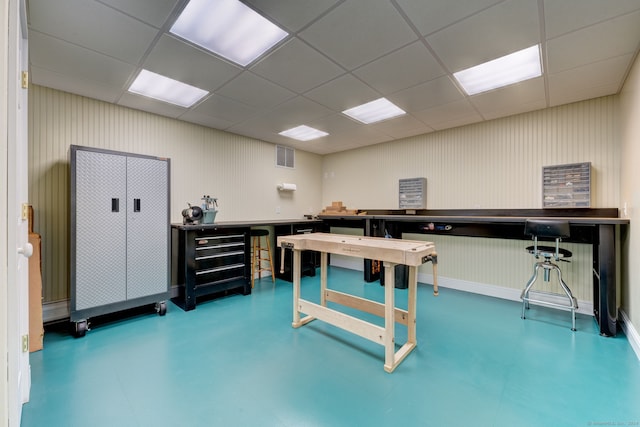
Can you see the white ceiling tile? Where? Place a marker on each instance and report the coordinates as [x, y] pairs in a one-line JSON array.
[[291, 113], [401, 127], [205, 119], [292, 14], [94, 26], [342, 93], [563, 16], [297, 67], [77, 62], [458, 111], [401, 69], [140, 102], [427, 95], [340, 52], [513, 99], [253, 90], [454, 122], [618, 36], [359, 31], [335, 124], [502, 29], [71, 84], [434, 15], [590, 81], [153, 12], [205, 71], [256, 125], [297, 111], [353, 138], [260, 129], [224, 108]]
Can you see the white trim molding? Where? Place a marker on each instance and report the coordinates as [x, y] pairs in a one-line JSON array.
[[632, 335], [511, 294], [584, 307], [52, 311]]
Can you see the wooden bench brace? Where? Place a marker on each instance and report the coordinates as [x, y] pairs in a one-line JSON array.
[[391, 252]]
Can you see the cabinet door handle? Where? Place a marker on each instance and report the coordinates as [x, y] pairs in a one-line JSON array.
[[115, 205], [136, 205]]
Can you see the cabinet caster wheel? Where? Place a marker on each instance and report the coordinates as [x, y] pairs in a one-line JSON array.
[[80, 329], [161, 308]]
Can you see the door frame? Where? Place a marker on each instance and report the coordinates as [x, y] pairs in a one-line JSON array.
[[15, 324]]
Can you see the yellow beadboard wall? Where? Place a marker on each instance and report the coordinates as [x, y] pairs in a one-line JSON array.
[[492, 165], [630, 196], [505, 263], [239, 171], [489, 165]]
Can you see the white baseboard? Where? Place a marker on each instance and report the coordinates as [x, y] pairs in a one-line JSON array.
[[584, 307], [52, 311], [632, 335], [511, 294]]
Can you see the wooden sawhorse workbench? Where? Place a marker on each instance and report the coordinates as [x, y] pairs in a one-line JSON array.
[[391, 252]]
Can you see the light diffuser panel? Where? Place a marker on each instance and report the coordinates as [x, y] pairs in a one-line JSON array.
[[165, 89], [507, 70], [303, 133], [374, 111], [228, 28]]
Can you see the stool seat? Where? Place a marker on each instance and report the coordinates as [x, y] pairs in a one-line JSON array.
[[259, 261], [549, 251]]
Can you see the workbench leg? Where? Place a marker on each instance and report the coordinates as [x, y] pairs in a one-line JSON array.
[[411, 305], [296, 288], [323, 278], [389, 318], [434, 264]]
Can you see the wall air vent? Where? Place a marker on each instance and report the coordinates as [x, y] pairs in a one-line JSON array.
[[285, 156]]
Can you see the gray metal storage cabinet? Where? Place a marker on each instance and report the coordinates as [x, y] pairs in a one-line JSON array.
[[120, 233]]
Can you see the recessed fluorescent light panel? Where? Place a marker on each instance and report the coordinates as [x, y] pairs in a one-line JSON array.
[[303, 133], [228, 28], [374, 111], [163, 88], [513, 68]]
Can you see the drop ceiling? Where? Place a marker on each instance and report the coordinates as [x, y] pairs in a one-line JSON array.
[[339, 54]]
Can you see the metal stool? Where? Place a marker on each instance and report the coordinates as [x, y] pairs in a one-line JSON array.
[[257, 256], [557, 230]]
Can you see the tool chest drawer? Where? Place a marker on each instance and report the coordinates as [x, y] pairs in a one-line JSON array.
[[219, 273], [217, 251], [209, 261]]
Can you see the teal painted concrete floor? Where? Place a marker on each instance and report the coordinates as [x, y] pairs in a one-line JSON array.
[[236, 361]]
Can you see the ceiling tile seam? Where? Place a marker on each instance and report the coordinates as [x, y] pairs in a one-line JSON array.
[[31, 30], [292, 35], [289, 30], [596, 62], [593, 24], [160, 31], [457, 21], [625, 75], [165, 30], [543, 51], [257, 111], [449, 73], [120, 11]]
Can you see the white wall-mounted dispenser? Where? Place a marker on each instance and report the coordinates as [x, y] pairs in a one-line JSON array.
[[287, 187]]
